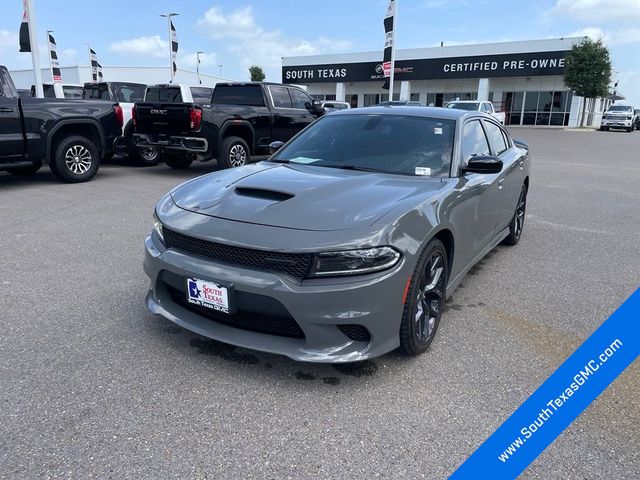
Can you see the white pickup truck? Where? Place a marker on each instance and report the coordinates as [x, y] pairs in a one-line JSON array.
[[477, 106], [178, 93]]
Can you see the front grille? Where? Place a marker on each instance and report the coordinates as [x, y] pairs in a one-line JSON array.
[[357, 333], [256, 322], [294, 264]]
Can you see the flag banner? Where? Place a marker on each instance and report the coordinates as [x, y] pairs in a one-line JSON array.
[[388, 42], [99, 69], [560, 399], [174, 47], [93, 58], [53, 59], [25, 42]]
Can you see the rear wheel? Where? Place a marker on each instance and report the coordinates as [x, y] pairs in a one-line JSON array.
[[75, 159], [234, 152], [145, 157], [517, 222], [178, 162], [26, 170], [425, 299]]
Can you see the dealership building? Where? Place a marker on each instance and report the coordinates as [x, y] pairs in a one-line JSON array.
[[524, 79]]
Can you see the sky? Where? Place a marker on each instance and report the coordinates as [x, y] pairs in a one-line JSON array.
[[239, 33]]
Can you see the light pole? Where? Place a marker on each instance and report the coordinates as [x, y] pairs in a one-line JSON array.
[[198, 66], [220, 71], [168, 17]]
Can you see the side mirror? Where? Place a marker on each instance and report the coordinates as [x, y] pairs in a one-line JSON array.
[[275, 146], [315, 107], [483, 164]]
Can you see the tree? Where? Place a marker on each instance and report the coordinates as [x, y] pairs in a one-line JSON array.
[[587, 71], [257, 74]]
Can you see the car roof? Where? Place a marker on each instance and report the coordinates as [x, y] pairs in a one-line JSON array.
[[428, 112], [467, 101]]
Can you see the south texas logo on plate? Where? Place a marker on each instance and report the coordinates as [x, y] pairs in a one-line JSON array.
[[208, 294]]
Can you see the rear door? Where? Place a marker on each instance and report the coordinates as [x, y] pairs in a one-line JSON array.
[[11, 140], [511, 179]]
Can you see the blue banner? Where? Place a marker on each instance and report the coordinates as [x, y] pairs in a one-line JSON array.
[[560, 399]]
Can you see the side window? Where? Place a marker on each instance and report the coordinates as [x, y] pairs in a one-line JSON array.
[[496, 139], [485, 108], [299, 98], [474, 141], [280, 95]]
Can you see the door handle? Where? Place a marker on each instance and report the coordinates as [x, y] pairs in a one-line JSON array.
[[521, 164], [6, 110], [501, 183]]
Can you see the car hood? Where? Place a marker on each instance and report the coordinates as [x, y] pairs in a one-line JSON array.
[[300, 196]]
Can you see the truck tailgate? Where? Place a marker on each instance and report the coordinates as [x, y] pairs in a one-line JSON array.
[[169, 118]]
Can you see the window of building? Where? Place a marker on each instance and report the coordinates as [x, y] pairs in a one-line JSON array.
[[415, 97], [352, 99], [371, 99]]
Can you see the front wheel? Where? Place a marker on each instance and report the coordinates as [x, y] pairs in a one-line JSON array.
[[517, 222], [425, 299], [178, 162], [234, 152], [76, 159]]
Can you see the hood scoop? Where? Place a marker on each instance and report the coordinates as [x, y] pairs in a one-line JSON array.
[[263, 194]]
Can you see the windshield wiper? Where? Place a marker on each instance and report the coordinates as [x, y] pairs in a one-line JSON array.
[[352, 167], [277, 160]]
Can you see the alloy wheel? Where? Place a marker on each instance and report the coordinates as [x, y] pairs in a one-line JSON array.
[[430, 298], [237, 156], [149, 154], [520, 214], [78, 159]]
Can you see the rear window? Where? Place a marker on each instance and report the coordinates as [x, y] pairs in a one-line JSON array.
[[96, 92], [72, 92], [128, 92], [163, 95], [238, 95], [201, 94]]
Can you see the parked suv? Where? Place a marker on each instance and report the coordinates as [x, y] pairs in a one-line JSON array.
[[619, 116], [244, 120], [72, 136]]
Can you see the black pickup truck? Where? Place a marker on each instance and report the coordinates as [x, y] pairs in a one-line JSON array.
[[72, 136], [242, 120]]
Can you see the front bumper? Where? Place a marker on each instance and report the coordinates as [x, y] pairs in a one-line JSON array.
[[616, 123], [173, 143], [317, 306]]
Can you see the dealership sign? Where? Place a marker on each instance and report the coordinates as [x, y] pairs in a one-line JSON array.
[[480, 66]]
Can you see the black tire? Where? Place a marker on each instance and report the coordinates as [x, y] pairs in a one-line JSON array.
[[234, 152], [26, 170], [145, 157], [425, 301], [603, 129], [178, 162], [75, 159], [517, 222], [630, 129]]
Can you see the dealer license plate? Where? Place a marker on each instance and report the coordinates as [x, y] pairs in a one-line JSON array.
[[208, 294]]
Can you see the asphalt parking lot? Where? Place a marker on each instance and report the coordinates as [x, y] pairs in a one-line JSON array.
[[93, 386]]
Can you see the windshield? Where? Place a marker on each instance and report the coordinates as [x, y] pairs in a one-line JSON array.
[[471, 107], [404, 145], [72, 91], [619, 108]]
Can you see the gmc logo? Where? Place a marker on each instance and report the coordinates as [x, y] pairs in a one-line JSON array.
[[155, 111]]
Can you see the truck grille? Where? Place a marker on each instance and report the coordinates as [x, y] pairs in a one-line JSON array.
[[293, 264]]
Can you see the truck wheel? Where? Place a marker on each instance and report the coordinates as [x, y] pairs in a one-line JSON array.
[[26, 170], [145, 157], [75, 159], [234, 152], [178, 162]]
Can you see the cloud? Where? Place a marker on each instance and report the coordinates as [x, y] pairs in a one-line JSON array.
[[67, 55], [153, 47], [8, 40], [189, 60], [614, 37], [253, 44], [598, 10]]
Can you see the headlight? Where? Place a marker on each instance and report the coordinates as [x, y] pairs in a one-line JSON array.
[[629, 118], [353, 262], [157, 227]]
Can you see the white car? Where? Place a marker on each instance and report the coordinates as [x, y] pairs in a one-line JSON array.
[[619, 116], [331, 105], [59, 90], [477, 106]]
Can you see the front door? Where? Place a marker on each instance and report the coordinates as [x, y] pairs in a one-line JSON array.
[[11, 140], [283, 114], [483, 191]]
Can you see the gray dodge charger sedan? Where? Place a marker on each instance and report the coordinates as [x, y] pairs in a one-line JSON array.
[[346, 242]]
